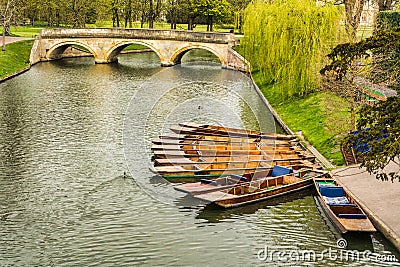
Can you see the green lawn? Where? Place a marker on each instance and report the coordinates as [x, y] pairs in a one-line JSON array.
[[25, 31], [15, 58], [322, 117], [364, 32]]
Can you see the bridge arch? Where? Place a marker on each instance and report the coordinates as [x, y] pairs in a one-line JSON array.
[[177, 56], [114, 51], [106, 43], [56, 51]]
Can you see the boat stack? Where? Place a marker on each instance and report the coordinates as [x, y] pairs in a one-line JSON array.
[[198, 151], [235, 167]]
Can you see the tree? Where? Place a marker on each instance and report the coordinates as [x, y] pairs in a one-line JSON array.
[[211, 9], [7, 9], [154, 11], [353, 9], [286, 41], [173, 7], [378, 127], [379, 132], [238, 8]]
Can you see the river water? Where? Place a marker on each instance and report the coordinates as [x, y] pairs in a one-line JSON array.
[[75, 184]]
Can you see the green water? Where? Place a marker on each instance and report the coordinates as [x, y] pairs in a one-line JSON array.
[[70, 129]]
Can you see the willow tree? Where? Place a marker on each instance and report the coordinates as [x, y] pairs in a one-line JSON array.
[[287, 40], [7, 8]]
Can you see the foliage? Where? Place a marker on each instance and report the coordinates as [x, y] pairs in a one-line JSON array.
[[387, 4], [238, 7], [7, 9], [353, 11], [287, 42], [124, 13], [211, 9], [379, 134], [387, 20], [381, 119], [386, 58], [322, 117], [344, 55], [15, 58]]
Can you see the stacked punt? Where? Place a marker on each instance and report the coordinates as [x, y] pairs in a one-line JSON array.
[[198, 151]]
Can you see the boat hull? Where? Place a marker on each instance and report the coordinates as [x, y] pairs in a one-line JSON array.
[[220, 199], [345, 225]]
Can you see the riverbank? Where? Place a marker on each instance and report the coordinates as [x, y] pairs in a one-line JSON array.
[[15, 59], [321, 118]]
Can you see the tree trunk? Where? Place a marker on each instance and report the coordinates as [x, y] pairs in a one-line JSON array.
[[353, 9], [116, 17], [173, 18], [4, 39], [128, 14], [190, 23], [353, 113], [151, 15], [7, 29]]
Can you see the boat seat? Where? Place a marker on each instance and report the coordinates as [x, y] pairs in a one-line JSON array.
[[336, 200], [239, 177], [352, 216], [331, 191], [279, 171], [322, 184], [343, 205]]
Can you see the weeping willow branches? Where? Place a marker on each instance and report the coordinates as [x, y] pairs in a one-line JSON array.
[[287, 40]]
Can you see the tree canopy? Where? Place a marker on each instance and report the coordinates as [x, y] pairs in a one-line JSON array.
[[377, 140], [79, 13], [287, 40]]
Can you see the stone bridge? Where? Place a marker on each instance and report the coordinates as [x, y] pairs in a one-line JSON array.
[[106, 44]]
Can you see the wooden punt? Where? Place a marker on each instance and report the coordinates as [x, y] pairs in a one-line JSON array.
[[231, 133], [341, 209], [211, 160], [202, 147], [262, 189], [217, 169], [218, 140], [231, 180], [218, 153], [207, 185], [214, 155]]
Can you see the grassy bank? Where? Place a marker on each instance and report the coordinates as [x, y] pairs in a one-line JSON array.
[[322, 117], [15, 58]]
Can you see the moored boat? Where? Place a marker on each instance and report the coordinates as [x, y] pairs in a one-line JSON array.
[[230, 180], [229, 167], [244, 132], [341, 209], [229, 132], [189, 139], [262, 189], [200, 155]]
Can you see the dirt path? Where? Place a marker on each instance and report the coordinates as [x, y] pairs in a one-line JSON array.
[[14, 39]]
